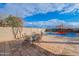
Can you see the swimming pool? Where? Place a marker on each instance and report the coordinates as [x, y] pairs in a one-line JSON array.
[[63, 35]]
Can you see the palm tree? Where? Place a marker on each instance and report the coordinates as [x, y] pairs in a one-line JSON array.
[[16, 23]]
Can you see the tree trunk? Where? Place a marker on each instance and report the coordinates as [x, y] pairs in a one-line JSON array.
[[13, 30]]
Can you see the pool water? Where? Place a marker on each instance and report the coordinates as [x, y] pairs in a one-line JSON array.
[[63, 35]]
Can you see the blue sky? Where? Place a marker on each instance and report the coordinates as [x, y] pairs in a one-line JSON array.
[[34, 13], [54, 15]]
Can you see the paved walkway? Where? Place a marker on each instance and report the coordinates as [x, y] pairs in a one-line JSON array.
[[46, 47], [59, 45], [17, 48]]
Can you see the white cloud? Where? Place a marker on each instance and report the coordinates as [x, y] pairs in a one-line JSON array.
[[28, 9], [53, 23], [72, 8], [74, 24]]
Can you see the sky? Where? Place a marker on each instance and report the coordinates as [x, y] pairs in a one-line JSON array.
[[43, 14]]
